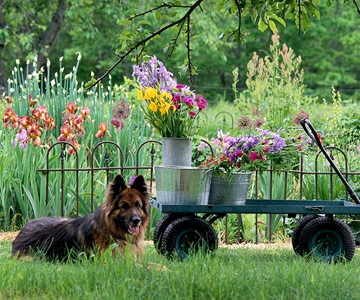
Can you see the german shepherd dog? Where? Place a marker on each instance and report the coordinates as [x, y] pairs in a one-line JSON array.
[[121, 219]]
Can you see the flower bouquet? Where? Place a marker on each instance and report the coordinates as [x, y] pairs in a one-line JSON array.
[[235, 158], [172, 109], [261, 150]]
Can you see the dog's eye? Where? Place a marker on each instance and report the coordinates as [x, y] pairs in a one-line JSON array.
[[137, 204], [124, 206]]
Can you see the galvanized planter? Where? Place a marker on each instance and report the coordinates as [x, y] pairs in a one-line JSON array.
[[176, 152], [228, 189], [182, 185]]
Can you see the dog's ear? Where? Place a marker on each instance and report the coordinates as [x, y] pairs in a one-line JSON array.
[[140, 185], [117, 185], [114, 188]]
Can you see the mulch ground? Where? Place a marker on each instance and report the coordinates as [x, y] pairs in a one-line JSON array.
[[8, 236]]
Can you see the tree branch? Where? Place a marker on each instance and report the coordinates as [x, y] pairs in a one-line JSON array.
[[148, 38], [164, 5], [175, 39], [189, 49], [357, 6], [299, 6], [239, 23]]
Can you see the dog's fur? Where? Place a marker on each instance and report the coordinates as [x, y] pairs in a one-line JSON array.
[[121, 219]]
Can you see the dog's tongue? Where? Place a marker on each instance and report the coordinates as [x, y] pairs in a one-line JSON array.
[[134, 230]]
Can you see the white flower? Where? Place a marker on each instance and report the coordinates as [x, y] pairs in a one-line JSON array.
[[68, 76]]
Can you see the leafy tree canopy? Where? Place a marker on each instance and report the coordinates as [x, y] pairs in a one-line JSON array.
[[209, 37], [180, 18]]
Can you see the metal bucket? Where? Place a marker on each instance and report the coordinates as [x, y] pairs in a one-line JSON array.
[[229, 189], [176, 152], [182, 185]]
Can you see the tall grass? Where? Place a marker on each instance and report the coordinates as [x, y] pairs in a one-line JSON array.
[[23, 187], [231, 273]]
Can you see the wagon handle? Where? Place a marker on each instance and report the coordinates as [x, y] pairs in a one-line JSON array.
[[306, 124]]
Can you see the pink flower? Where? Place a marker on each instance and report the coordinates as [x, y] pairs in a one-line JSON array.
[[118, 124], [253, 156], [21, 136], [103, 128], [201, 103], [203, 145], [85, 113], [188, 101]]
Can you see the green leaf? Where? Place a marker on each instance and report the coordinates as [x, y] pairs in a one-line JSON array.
[[272, 25], [262, 25], [278, 19], [144, 22]]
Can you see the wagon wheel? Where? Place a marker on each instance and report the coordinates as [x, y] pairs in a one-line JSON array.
[[297, 231], [159, 229], [328, 239], [188, 235]]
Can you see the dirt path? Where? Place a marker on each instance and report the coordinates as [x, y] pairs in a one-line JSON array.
[[9, 236]]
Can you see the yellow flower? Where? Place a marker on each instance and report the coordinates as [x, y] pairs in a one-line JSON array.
[[153, 106], [165, 96], [140, 94], [150, 93], [164, 108]]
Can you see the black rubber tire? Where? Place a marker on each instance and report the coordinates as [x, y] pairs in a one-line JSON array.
[[295, 239], [159, 229], [188, 235], [328, 239]]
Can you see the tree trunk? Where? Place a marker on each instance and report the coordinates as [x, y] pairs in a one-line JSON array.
[[3, 75], [48, 38]]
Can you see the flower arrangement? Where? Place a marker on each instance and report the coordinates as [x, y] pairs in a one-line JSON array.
[[172, 109], [257, 151]]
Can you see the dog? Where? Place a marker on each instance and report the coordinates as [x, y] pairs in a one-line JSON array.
[[121, 219]]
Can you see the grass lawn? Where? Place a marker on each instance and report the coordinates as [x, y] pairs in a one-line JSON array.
[[269, 272]]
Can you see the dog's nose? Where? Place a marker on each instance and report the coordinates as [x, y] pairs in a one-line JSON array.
[[135, 220]]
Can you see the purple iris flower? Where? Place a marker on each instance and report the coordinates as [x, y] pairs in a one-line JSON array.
[[249, 142], [21, 136], [152, 73], [279, 143]]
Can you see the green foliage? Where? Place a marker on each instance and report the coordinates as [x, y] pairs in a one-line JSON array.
[[341, 122], [275, 89]]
